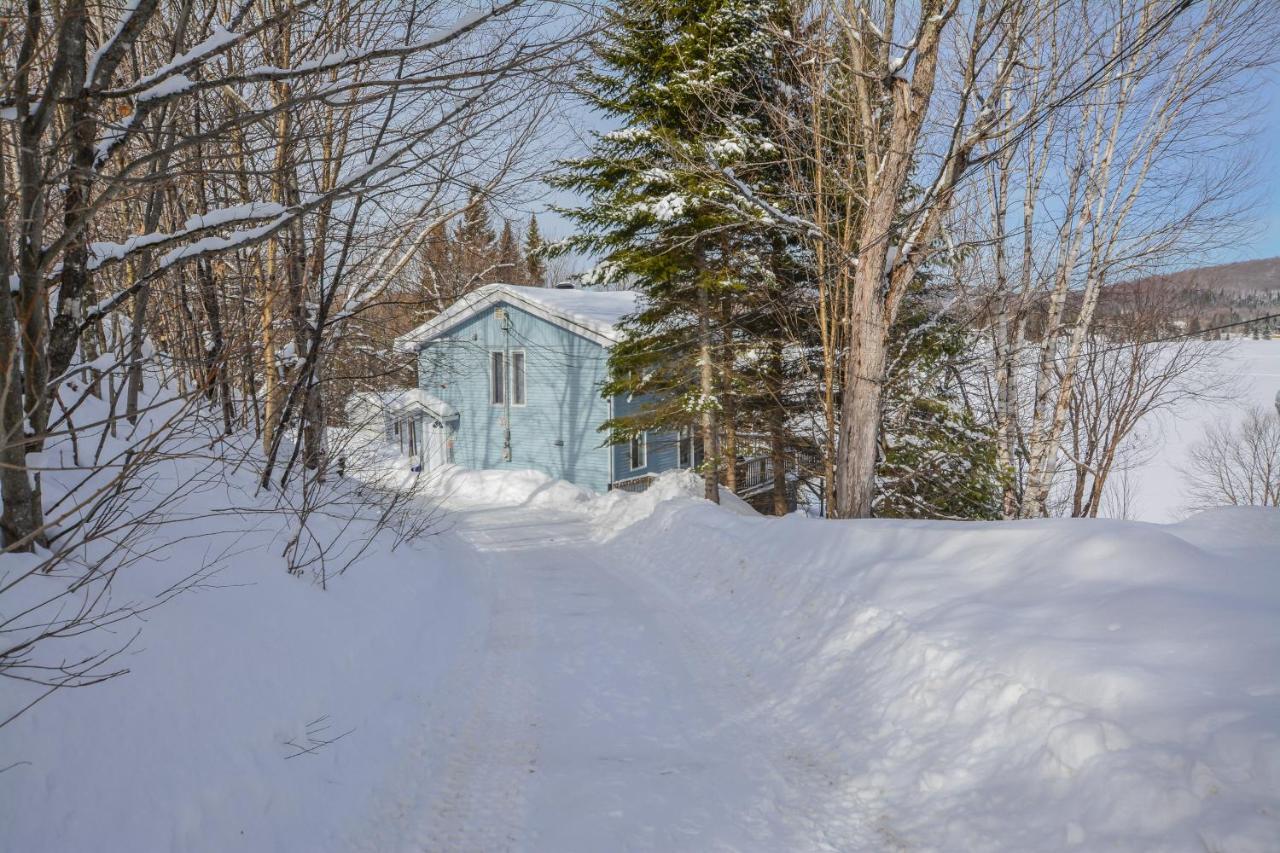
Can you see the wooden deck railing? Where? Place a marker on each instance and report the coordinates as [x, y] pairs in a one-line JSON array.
[[633, 484]]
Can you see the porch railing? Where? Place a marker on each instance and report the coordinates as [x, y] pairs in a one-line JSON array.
[[633, 484]]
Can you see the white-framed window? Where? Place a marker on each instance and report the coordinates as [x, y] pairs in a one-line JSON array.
[[639, 450], [413, 436], [686, 448], [517, 378], [499, 376], [497, 379]]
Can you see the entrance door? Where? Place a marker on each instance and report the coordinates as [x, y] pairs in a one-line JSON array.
[[435, 441]]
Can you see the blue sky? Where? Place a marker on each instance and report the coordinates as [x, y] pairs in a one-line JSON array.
[[1266, 242], [1261, 241]]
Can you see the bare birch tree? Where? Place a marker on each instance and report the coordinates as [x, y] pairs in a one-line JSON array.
[[1136, 173]]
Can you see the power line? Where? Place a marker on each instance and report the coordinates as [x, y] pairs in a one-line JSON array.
[[1169, 338]]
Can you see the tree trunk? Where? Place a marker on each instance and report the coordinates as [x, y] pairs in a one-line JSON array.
[[74, 277], [21, 514], [272, 310], [777, 434], [729, 414], [860, 412], [137, 337], [710, 427], [217, 388]]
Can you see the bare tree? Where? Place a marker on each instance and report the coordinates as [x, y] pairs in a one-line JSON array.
[[1141, 171], [197, 200], [1237, 464], [906, 103], [1126, 373]]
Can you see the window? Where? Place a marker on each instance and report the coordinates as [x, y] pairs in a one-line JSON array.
[[686, 447], [497, 379], [413, 436], [639, 450], [517, 378]]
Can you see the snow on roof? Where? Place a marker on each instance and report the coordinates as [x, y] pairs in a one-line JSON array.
[[399, 400], [594, 314]]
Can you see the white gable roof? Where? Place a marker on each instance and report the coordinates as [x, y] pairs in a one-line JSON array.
[[401, 400], [594, 314]]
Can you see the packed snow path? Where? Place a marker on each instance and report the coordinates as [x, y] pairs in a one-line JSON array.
[[649, 672], [587, 715]]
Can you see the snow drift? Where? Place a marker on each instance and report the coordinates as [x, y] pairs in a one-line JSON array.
[[1033, 686], [1029, 686]]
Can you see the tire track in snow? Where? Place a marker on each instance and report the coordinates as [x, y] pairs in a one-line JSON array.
[[815, 799], [460, 786], [480, 804], [475, 797], [831, 817]]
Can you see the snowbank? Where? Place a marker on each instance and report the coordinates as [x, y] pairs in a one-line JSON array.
[[258, 711], [616, 511], [1031, 686], [462, 487], [453, 487], [374, 462], [1044, 685]]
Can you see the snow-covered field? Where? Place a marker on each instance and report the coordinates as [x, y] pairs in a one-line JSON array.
[[1250, 376], [559, 672]]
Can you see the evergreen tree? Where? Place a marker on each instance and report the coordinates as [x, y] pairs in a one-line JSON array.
[[684, 78], [535, 267], [510, 264], [937, 460], [475, 244], [726, 286]]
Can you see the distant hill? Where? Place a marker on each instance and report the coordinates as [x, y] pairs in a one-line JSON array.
[[1241, 277], [1218, 295]]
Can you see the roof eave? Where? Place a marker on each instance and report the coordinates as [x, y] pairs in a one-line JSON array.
[[436, 327]]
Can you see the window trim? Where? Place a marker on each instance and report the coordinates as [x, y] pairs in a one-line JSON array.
[[643, 438], [524, 378], [498, 358], [684, 434], [506, 358]]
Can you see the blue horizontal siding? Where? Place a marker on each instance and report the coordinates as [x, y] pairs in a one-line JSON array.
[[557, 430], [664, 447]]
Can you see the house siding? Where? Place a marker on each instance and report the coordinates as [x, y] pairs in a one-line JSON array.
[[556, 431], [664, 447]]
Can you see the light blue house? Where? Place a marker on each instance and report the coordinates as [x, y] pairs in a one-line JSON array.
[[517, 373]]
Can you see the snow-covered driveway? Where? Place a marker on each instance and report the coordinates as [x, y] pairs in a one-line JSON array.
[[588, 715], [649, 672]]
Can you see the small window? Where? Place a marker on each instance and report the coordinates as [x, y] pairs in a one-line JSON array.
[[413, 437], [686, 447], [497, 379], [517, 379], [639, 450]]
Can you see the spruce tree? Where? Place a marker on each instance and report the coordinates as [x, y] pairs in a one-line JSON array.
[[475, 243], [937, 459], [510, 264], [681, 77], [535, 267]]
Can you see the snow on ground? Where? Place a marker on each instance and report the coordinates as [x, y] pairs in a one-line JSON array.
[[556, 671], [1035, 686], [1251, 373]]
